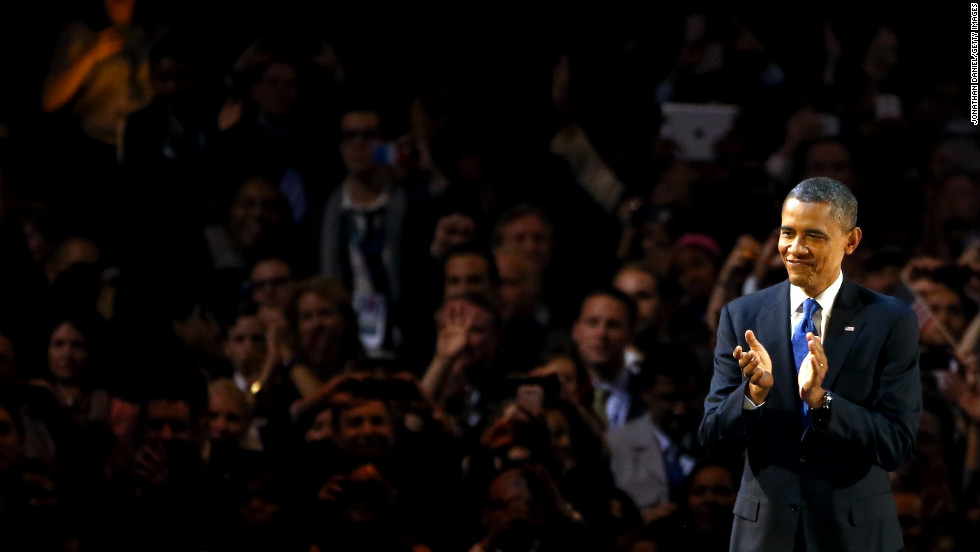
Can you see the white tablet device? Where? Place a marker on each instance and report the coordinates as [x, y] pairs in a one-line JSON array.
[[696, 127]]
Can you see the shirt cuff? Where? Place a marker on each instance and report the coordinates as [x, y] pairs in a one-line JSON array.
[[747, 404]]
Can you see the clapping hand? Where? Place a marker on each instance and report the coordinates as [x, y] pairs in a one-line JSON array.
[[812, 372], [756, 367]]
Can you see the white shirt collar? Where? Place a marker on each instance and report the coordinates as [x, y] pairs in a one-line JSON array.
[[825, 299]]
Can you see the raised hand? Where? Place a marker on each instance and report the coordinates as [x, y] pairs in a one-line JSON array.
[[455, 321], [812, 372], [756, 367]]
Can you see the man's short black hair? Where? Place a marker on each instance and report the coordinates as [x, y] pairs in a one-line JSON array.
[[617, 295], [821, 189]]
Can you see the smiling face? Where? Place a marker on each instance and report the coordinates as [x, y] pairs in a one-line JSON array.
[[366, 429], [812, 244]]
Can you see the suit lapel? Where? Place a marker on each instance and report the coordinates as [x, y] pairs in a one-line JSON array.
[[846, 315], [776, 320]]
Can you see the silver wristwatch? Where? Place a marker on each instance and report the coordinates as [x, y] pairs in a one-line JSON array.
[[827, 399]]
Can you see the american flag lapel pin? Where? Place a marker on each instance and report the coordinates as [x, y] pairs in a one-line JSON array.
[[848, 328]]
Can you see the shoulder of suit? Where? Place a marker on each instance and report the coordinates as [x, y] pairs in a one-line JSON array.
[[885, 304], [762, 296]]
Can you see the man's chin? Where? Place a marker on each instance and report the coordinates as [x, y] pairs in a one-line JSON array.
[[799, 280]]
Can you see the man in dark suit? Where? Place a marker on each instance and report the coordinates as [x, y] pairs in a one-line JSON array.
[[829, 405]]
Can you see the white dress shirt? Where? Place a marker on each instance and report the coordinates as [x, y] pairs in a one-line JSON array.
[[821, 316]]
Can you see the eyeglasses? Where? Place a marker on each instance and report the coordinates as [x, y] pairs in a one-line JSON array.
[[365, 133]]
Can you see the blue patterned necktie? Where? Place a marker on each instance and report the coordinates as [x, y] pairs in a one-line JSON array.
[[800, 348]]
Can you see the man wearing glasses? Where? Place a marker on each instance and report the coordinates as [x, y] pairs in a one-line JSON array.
[[363, 231]]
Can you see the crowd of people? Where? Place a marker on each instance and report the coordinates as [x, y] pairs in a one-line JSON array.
[[277, 293]]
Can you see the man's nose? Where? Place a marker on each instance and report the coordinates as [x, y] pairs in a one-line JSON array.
[[798, 248]]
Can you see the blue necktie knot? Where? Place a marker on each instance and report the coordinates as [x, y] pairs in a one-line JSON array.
[[810, 306]]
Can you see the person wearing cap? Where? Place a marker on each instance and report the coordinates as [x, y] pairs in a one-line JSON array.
[[816, 380]]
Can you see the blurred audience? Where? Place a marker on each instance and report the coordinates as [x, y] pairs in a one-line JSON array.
[[346, 282]]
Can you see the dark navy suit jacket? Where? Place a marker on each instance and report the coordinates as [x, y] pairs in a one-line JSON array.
[[834, 481]]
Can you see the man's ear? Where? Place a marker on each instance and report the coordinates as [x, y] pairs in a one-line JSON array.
[[853, 239]]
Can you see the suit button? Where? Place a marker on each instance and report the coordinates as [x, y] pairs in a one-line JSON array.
[[794, 506], [802, 458]]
